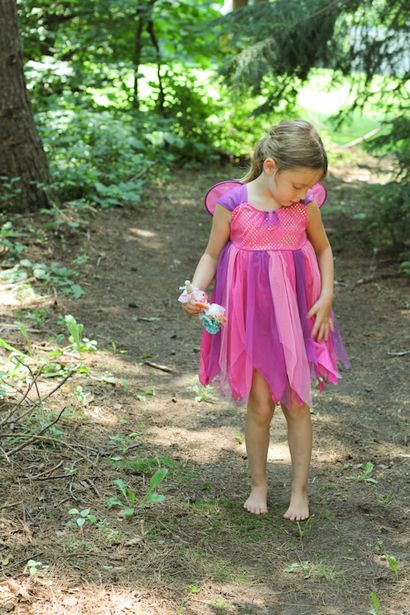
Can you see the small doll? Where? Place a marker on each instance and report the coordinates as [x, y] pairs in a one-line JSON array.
[[212, 315]]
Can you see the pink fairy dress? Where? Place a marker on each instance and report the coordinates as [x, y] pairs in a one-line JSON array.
[[267, 279]]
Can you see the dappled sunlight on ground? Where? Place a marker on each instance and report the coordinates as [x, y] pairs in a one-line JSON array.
[[47, 595], [278, 452], [19, 295], [347, 399], [7, 297], [203, 443], [101, 415], [146, 238], [142, 232]]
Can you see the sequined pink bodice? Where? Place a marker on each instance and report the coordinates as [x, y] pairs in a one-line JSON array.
[[282, 229]]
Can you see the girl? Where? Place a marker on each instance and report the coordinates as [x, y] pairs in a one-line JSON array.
[[274, 276]]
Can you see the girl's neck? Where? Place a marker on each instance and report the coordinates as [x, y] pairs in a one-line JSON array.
[[260, 195]]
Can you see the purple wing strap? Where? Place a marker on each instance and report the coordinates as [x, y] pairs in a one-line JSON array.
[[317, 193]]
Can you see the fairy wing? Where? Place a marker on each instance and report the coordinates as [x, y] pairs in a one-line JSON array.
[[316, 193], [214, 194]]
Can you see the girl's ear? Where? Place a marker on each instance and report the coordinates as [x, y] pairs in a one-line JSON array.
[[269, 166]]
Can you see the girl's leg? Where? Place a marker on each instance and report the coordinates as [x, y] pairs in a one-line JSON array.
[[259, 414], [300, 446]]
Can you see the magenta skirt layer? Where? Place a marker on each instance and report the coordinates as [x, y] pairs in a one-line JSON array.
[[267, 295]]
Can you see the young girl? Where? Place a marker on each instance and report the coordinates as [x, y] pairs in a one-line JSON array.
[[274, 276]]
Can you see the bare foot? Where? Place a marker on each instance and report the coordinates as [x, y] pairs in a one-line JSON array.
[[256, 502], [299, 506]]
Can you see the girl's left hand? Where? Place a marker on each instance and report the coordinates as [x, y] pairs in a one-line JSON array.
[[323, 322]]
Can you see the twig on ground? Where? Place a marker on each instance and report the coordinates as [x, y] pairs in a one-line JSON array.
[[9, 505], [380, 276], [398, 354], [40, 400], [129, 448], [15, 408], [54, 477], [34, 379], [93, 487], [74, 447], [162, 368], [61, 502], [5, 454], [60, 384], [11, 327], [40, 433], [60, 463]]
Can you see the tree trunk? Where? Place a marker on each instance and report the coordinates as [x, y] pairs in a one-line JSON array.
[[23, 164], [155, 44], [238, 4], [137, 59]]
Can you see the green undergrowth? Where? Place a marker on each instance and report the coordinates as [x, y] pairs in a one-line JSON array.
[[213, 567], [178, 470]]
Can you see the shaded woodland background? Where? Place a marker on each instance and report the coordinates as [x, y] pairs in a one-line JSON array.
[[122, 478], [109, 88]]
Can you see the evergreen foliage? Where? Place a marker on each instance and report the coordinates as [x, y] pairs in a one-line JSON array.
[[283, 40], [275, 45]]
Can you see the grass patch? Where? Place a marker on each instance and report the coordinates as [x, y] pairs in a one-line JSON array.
[[213, 567], [230, 515], [309, 570], [148, 465]]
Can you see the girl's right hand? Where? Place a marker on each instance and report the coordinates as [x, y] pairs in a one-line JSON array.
[[191, 309]]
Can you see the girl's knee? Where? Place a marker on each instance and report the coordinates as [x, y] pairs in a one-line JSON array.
[[260, 403], [261, 413], [295, 412]]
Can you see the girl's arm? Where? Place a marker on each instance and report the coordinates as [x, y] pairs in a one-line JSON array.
[[206, 268], [322, 308]]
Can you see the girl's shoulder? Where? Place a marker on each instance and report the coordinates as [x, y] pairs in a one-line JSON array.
[[231, 199]]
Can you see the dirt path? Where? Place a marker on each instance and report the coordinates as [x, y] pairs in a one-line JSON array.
[[198, 552]]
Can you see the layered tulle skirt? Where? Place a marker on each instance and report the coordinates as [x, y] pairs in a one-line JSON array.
[[267, 295]]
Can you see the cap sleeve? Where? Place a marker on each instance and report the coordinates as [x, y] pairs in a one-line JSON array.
[[230, 200]]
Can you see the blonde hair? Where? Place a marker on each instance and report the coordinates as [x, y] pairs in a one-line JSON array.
[[292, 143]]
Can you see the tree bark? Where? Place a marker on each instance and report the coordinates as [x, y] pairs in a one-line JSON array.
[[138, 45], [238, 4], [23, 164], [154, 41]]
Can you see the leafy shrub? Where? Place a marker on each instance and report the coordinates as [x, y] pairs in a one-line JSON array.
[[94, 156], [387, 215]]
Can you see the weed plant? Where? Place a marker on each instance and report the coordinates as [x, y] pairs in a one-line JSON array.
[[126, 500]]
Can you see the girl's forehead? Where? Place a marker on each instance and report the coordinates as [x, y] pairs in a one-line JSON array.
[[304, 175]]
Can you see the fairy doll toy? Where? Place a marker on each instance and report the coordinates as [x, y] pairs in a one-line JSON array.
[[274, 278], [212, 315]]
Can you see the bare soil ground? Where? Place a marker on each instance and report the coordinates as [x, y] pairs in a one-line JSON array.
[[199, 553]]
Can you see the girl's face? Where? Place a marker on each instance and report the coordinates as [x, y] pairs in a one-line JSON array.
[[290, 186]]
